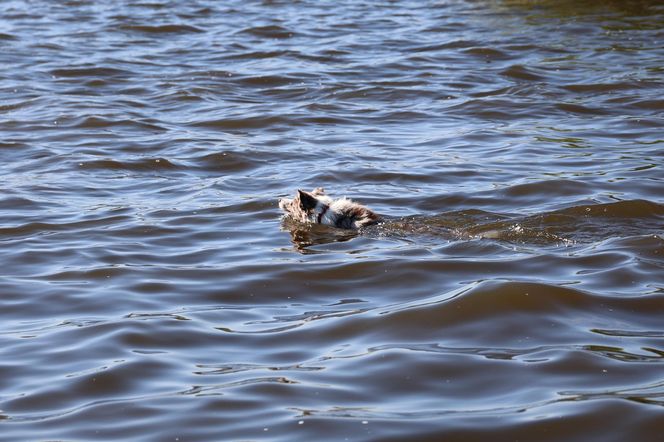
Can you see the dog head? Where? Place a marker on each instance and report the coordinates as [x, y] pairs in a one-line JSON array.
[[305, 206]]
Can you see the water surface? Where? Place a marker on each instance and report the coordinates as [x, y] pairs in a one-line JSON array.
[[151, 291]]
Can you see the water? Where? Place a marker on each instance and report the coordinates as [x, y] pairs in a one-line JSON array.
[[150, 290]]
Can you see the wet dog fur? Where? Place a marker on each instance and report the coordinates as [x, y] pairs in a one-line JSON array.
[[316, 207]]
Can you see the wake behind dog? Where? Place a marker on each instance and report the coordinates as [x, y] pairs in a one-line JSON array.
[[305, 214]]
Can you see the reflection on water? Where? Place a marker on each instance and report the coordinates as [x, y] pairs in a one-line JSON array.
[[151, 290], [305, 235]]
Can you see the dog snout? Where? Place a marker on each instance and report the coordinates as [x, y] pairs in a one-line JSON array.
[[284, 203]]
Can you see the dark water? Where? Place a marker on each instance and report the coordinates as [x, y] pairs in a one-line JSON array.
[[150, 291]]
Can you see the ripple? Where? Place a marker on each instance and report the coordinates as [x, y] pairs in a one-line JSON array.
[[91, 71], [631, 333], [163, 29], [580, 109], [42, 227], [267, 80], [140, 165], [258, 55], [621, 355], [20, 203], [230, 162], [522, 73], [634, 209], [254, 122], [602, 87], [486, 52], [97, 122], [269, 31], [8, 107], [584, 223], [457, 44]]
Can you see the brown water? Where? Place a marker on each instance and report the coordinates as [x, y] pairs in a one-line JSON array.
[[150, 291]]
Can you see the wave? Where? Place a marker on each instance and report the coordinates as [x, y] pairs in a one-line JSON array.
[[145, 164], [581, 223], [270, 31], [162, 29], [90, 71]]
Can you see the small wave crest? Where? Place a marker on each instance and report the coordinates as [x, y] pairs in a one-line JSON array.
[[163, 29]]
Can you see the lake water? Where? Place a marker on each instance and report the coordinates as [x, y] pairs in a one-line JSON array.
[[149, 289]]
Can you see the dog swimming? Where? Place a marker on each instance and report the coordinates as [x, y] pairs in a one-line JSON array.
[[316, 207]]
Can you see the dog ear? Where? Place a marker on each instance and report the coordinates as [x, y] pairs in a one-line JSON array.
[[307, 201]]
